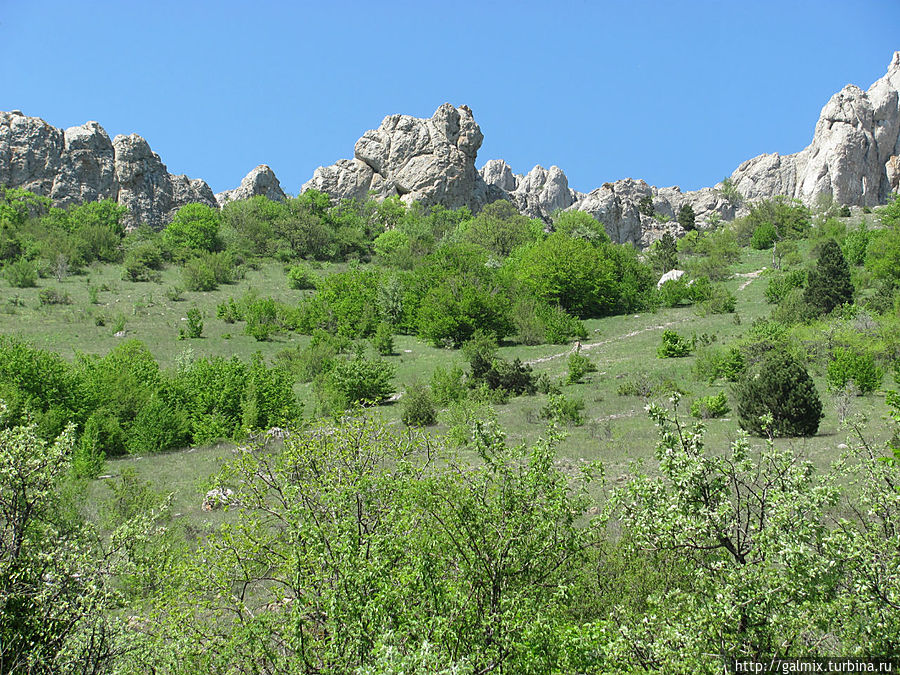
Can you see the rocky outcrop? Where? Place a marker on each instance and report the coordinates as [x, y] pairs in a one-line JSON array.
[[538, 194], [259, 182], [81, 164], [150, 192], [853, 156], [431, 161]]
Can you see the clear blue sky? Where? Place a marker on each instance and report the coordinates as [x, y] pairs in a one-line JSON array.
[[676, 93]]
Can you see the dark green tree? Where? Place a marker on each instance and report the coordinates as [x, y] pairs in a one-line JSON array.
[[686, 217], [828, 284], [778, 386], [663, 255]]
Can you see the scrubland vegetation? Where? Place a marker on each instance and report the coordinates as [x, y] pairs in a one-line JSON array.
[[443, 443]]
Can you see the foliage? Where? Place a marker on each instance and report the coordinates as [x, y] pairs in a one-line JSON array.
[[828, 284], [418, 406], [301, 277], [673, 345], [764, 236], [195, 228], [782, 283], [21, 273], [778, 396], [686, 217], [562, 409], [448, 386], [579, 366], [580, 225], [344, 303], [856, 244], [500, 229], [383, 340], [663, 254], [849, 365], [715, 363], [353, 381], [57, 590], [194, 327], [707, 407], [729, 191]]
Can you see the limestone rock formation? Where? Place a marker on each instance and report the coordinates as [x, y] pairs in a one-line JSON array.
[[259, 182], [431, 161], [81, 164], [852, 157], [30, 152], [87, 169], [150, 192], [538, 194]]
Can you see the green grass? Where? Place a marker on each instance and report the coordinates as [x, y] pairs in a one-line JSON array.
[[617, 430]]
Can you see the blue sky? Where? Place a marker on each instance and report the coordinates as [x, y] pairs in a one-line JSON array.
[[676, 93]]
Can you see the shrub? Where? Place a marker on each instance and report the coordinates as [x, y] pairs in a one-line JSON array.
[[579, 366], [383, 340], [848, 365], [261, 316], [719, 301], [764, 237], [316, 357], [714, 363], [673, 346], [418, 407], [778, 388], [673, 292], [856, 245], [198, 276], [194, 228], [562, 409], [781, 284], [448, 386], [21, 274], [353, 381], [708, 407], [301, 277], [51, 296], [194, 327]]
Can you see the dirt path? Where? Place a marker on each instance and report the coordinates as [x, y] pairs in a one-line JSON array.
[[585, 348], [749, 276]]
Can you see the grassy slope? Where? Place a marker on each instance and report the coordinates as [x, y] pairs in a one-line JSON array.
[[617, 431]]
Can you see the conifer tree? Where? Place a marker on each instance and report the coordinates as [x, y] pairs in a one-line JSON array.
[[828, 284]]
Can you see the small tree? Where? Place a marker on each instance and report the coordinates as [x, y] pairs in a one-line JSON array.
[[780, 389], [686, 217], [828, 283]]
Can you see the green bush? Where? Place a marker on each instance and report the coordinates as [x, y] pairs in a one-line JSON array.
[[714, 363], [448, 386], [349, 382], [21, 274], [563, 410], [51, 296], [708, 407], [579, 366], [301, 278], [674, 292], [781, 284], [383, 340], [194, 327], [418, 407], [719, 301], [686, 217], [856, 245], [198, 276], [195, 228], [848, 365], [780, 388], [764, 237], [673, 346]]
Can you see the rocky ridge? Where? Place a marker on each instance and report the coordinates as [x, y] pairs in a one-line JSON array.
[[82, 164], [854, 157]]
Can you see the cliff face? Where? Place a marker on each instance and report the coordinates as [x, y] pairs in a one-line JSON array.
[[81, 164], [854, 157]]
